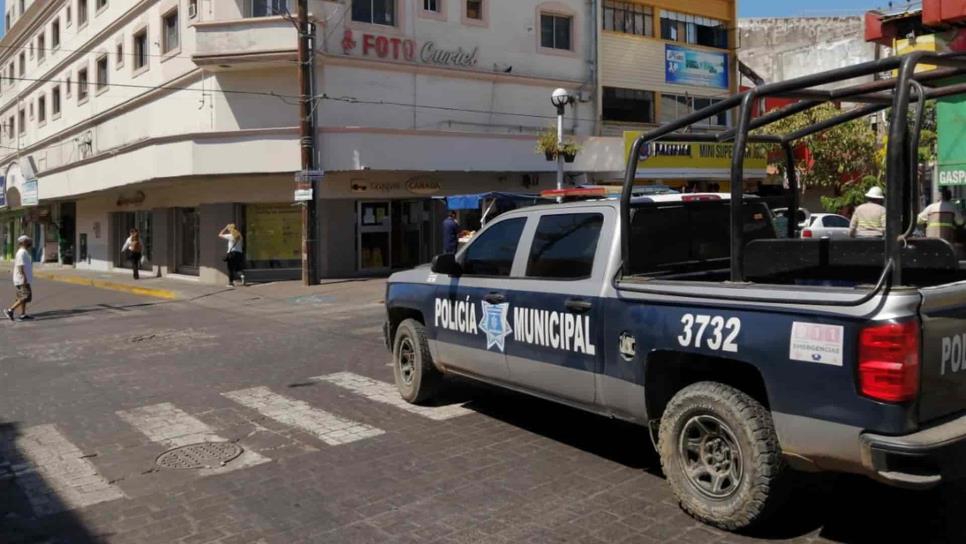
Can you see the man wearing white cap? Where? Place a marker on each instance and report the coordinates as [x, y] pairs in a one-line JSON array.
[[23, 276], [869, 219]]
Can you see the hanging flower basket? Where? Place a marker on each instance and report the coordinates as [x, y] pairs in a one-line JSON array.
[[550, 154], [569, 157]]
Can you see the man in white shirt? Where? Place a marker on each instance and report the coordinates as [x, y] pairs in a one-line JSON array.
[[23, 276], [942, 218]]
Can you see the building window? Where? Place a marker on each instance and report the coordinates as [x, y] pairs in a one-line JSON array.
[[67, 85], [82, 83], [681, 27], [42, 109], [10, 128], [7, 27], [81, 12], [102, 80], [170, 37], [22, 121], [55, 101], [266, 8], [376, 12], [432, 5], [41, 47], [628, 105], [55, 33], [192, 9], [474, 10], [23, 64], [68, 15], [101, 4], [555, 31], [674, 106], [141, 49], [629, 18], [22, 8]]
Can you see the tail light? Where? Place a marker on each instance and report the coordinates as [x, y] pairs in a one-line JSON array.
[[807, 233], [700, 198], [889, 361]]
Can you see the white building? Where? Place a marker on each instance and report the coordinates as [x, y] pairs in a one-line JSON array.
[[179, 116]]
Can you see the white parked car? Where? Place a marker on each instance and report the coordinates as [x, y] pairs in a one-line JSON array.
[[826, 225]]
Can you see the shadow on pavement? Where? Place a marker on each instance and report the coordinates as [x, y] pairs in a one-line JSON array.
[[21, 489], [839, 508]]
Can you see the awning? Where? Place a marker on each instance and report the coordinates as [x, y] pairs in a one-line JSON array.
[[474, 201]]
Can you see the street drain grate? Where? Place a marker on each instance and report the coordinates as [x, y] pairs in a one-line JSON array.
[[203, 455]]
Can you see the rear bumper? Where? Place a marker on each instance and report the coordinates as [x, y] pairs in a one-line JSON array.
[[920, 460]]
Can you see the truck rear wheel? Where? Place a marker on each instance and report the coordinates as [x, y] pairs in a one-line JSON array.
[[720, 454], [417, 378]]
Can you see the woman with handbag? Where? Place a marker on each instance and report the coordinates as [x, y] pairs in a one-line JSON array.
[[235, 256], [132, 249]]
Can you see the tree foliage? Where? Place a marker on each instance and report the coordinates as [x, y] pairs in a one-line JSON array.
[[838, 155], [851, 195]]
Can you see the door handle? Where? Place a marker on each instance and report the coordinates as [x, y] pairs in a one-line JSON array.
[[495, 298], [578, 306]]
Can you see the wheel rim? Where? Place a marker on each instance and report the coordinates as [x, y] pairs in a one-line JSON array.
[[407, 360], [711, 456]]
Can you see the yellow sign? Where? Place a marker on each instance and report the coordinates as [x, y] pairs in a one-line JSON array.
[[693, 160], [930, 43], [274, 232]]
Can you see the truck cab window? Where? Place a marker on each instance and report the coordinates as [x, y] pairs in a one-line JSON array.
[[492, 252], [564, 246]]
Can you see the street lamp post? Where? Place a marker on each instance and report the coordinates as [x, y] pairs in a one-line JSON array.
[[560, 99]]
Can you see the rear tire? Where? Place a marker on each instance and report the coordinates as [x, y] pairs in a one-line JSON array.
[[720, 454], [417, 378]]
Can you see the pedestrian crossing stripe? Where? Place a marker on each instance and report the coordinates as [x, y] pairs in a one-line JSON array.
[[385, 393], [329, 428]]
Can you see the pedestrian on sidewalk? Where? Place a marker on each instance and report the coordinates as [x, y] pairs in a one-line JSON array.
[[451, 233], [235, 257], [133, 248], [23, 276]]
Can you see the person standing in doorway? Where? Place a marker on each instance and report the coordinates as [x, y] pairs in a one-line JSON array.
[[942, 218], [23, 276], [134, 250], [869, 219], [235, 257], [451, 233]]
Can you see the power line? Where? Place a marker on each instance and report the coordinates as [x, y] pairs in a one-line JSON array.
[[89, 51], [157, 87]]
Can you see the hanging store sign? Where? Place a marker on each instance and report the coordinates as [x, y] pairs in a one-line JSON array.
[[423, 186], [29, 194], [694, 161], [408, 50], [684, 66], [303, 195], [3, 191], [952, 174]]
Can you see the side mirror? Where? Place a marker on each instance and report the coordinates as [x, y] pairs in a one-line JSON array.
[[446, 264]]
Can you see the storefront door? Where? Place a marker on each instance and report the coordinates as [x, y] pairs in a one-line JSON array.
[[123, 223], [374, 221], [187, 226], [412, 233]]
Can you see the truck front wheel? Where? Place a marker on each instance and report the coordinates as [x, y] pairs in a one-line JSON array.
[[720, 454], [417, 378]]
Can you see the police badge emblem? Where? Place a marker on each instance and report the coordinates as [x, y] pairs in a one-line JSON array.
[[495, 324]]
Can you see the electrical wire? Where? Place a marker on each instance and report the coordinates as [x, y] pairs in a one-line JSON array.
[[271, 94]]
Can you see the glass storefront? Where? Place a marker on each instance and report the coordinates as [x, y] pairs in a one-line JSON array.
[[273, 234], [122, 223], [397, 234], [188, 252]]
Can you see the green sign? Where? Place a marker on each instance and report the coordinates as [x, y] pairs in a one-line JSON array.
[[951, 145]]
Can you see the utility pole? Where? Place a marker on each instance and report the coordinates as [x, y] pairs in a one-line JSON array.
[[308, 179]]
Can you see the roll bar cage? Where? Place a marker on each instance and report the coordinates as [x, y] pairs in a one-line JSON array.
[[898, 93]]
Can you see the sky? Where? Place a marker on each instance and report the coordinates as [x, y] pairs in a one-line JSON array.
[[787, 8]]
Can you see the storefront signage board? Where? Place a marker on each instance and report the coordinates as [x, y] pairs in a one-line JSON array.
[[692, 160], [685, 66], [29, 194], [303, 195], [408, 50]]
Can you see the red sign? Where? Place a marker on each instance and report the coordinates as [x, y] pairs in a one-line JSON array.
[[408, 50]]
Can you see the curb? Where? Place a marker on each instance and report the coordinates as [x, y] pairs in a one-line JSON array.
[[164, 294]]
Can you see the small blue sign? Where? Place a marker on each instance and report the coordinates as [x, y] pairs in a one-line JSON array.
[[684, 66], [3, 191]]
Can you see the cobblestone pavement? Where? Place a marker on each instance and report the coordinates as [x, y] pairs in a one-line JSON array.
[[103, 383]]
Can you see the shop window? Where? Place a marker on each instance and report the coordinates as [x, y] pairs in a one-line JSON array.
[[170, 37], [555, 31], [564, 246], [628, 18], [685, 28], [266, 8], [628, 105], [273, 234], [376, 12], [492, 253], [140, 49]]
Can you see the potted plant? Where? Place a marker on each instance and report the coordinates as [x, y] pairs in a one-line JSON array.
[[547, 144], [569, 150]]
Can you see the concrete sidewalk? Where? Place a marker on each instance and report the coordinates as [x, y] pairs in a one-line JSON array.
[[168, 288]]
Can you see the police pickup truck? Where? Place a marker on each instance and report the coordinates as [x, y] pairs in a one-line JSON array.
[[746, 354]]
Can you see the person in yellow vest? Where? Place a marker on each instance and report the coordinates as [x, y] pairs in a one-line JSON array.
[[869, 219], [941, 218]]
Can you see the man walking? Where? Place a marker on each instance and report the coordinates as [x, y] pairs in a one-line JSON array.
[[451, 233], [941, 218], [23, 275], [869, 219]]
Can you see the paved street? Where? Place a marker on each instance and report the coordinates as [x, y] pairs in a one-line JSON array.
[[102, 383]]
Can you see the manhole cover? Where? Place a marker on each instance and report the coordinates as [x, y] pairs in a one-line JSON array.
[[203, 455]]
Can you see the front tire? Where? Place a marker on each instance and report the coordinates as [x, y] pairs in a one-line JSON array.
[[417, 378], [720, 454]]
